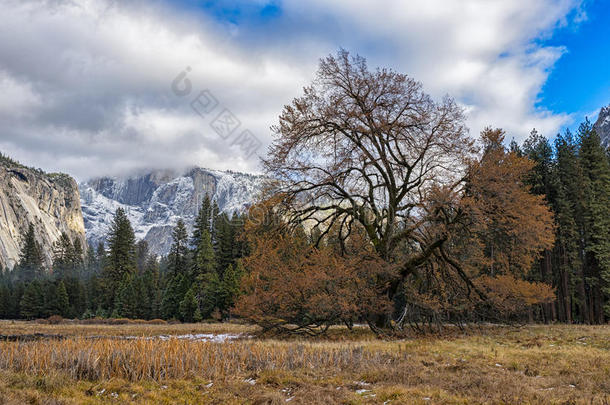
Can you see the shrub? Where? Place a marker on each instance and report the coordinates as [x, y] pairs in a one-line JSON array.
[[157, 322], [294, 287], [55, 319], [118, 321], [138, 321]]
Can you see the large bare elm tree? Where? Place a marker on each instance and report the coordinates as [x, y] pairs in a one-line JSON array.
[[369, 150]]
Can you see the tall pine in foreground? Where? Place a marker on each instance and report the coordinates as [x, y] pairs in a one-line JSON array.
[[541, 181], [205, 258], [30, 264], [202, 222], [179, 251], [121, 256], [179, 278], [569, 213], [596, 171]]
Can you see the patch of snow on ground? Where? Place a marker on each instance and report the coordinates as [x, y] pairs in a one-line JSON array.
[[203, 337], [199, 337], [250, 381]]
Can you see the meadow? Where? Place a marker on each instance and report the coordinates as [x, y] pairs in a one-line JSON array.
[[98, 364]]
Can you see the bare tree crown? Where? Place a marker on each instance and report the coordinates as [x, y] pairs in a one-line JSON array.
[[368, 147]]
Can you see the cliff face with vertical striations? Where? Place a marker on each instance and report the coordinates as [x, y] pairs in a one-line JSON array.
[[51, 202], [154, 201], [602, 125]]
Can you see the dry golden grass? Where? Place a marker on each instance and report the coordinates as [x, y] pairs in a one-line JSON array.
[[133, 329], [535, 364]]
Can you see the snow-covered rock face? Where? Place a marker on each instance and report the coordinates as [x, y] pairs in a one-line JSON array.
[[155, 201], [602, 125]]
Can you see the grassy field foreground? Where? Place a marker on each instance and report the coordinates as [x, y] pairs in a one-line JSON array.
[[535, 364]]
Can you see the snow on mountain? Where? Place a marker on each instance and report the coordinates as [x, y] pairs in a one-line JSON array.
[[602, 125], [154, 201]]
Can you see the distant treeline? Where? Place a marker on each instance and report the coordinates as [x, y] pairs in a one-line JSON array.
[[573, 173], [198, 279]]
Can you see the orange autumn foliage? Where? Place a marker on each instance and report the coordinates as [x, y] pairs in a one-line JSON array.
[[293, 286], [511, 224], [510, 296]]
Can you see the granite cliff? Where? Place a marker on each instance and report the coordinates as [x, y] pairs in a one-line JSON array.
[[155, 200], [51, 202], [602, 125]]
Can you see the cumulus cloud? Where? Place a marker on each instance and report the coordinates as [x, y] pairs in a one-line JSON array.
[[86, 88]]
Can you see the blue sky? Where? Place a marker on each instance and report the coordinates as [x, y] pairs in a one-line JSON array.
[[580, 80], [236, 12], [86, 89]]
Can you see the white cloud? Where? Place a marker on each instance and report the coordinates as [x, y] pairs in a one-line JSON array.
[[86, 89], [16, 98], [484, 53]]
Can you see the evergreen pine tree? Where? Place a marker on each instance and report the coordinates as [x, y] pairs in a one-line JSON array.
[[210, 299], [205, 261], [78, 257], [538, 149], [91, 263], [5, 297], [172, 296], [202, 222], [121, 257], [101, 256], [189, 306], [63, 255], [230, 287], [569, 214], [225, 243], [197, 317], [541, 180], [62, 303], [142, 298], [77, 295], [179, 252], [151, 284], [94, 291], [597, 216], [30, 258], [17, 291], [32, 302], [240, 246], [126, 302]]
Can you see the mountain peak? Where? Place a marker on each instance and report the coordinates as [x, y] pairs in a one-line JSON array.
[[602, 125], [154, 200]]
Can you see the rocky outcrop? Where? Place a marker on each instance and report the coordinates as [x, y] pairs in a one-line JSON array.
[[51, 202], [154, 201], [602, 125]]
